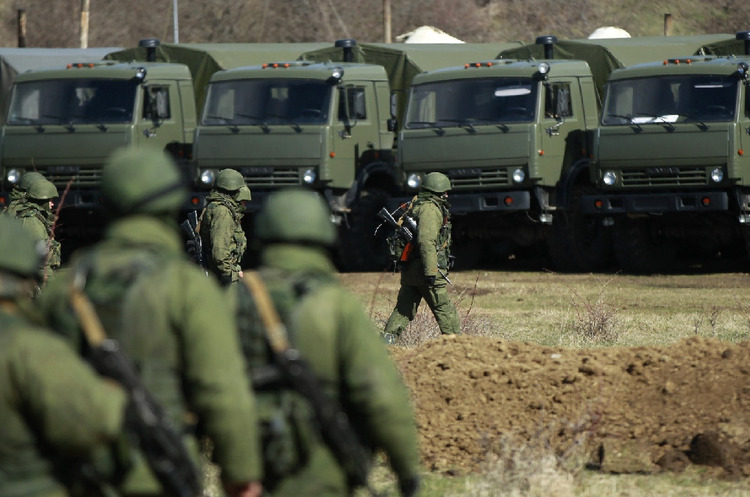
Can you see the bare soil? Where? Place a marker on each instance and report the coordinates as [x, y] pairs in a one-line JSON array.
[[641, 409]]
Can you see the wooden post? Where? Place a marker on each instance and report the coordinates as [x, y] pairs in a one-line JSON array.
[[21, 28], [85, 23], [667, 24], [387, 21]]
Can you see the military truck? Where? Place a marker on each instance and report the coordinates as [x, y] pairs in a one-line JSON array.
[[509, 131], [326, 121], [669, 166], [65, 121]]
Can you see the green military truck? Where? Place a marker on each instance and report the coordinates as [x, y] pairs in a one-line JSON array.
[[65, 121], [669, 165], [510, 132], [326, 121]]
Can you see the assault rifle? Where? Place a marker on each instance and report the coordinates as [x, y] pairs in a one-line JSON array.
[[158, 439], [407, 233], [336, 430], [194, 242]]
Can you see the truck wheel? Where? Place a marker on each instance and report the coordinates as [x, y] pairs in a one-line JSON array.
[[637, 251], [361, 249], [579, 243]]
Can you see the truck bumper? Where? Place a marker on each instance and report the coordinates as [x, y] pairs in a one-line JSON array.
[[625, 203], [465, 203]]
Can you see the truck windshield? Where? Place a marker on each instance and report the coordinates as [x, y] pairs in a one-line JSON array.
[[267, 101], [72, 101], [472, 102], [669, 99]]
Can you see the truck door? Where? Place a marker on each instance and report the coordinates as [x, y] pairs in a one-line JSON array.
[[159, 118], [354, 130], [560, 124]]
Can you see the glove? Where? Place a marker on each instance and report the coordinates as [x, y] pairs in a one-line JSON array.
[[430, 280], [409, 486]]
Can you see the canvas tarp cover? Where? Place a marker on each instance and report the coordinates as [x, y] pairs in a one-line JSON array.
[[204, 59], [606, 55], [14, 61]]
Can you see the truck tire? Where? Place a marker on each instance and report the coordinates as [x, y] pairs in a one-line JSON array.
[[579, 243], [637, 251], [361, 248]]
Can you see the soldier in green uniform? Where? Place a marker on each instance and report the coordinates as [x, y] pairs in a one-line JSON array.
[[221, 226], [20, 191], [37, 216], [54, 408], [170, 319], [424, 274], [331, 331]]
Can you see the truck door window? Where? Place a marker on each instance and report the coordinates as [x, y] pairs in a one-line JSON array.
[[156, 103], [354, 99], [72, 101], [557, 101]]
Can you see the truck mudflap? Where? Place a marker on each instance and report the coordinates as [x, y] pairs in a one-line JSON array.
[[628, 203]]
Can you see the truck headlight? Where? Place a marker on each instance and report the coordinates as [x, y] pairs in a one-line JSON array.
[[519, 175], [609, 178], [207, 177], [309, 176], [414, 181], [717, 175], [13, 176]]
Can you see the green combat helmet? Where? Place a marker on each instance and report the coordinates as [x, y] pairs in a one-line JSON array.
[[41, 189], [142, 180], [231, 180], [295, 215], [20, 254], [29, 179], [437, 183]]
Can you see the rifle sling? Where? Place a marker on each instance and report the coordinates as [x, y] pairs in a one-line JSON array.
[[276, 332]]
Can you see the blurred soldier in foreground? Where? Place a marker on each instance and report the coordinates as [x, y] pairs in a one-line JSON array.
[[221, 226], [37, 216], [54, 408], [316, 353], [169, 319], [21, 190], [424, 274]]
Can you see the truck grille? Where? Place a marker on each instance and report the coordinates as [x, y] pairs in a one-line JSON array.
[[82, 178], [270, 176], [478, 178], [664, 176]]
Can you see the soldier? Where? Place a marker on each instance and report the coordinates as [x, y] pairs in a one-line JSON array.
[[54, 408], [172, 322], [221, 226], [424, 275], [36, 214], [19, 192], [334, 336]]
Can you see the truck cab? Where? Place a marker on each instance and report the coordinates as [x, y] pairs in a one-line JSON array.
[[669, 165], [502, 131], [65, 122]]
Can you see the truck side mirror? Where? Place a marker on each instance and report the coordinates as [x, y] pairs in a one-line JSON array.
[[156, 104], [392, 124]]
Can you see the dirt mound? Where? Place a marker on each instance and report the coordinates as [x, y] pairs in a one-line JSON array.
[[640, 409]]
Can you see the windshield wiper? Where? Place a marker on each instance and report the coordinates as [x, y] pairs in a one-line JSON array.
[[431, 124], [296, 127], [226, 121], [629, 119]]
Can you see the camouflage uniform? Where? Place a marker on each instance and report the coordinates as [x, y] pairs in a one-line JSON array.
[[335, 336], [170, 320], [37, 216], [54, 408], [221, 226], [420, 278]]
